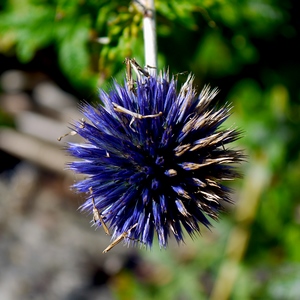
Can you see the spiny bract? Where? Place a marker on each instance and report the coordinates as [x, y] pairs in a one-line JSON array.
[[162, 172]]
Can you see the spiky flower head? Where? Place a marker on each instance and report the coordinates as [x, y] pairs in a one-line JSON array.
[[155, 159]]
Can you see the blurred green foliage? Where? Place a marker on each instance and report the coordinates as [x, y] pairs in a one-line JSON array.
[[247, 48]]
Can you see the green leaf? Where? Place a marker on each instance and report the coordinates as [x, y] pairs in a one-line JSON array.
[[73, 52]]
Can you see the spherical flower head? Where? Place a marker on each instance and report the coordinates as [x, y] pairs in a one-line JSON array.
[[156, 159]]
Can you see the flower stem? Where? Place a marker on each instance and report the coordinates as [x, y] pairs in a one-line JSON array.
[[149, 29]]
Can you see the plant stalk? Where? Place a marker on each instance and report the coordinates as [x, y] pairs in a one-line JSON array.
[[149, 31]]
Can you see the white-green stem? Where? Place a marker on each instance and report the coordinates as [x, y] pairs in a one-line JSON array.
[[149, 29]]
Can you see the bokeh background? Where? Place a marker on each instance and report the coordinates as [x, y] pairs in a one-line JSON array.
[[54, 54]]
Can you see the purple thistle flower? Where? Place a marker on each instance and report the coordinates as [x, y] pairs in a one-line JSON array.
[[155, 159]]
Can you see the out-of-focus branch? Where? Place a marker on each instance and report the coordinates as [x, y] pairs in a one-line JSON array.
[[39, 120], [255, 182], [34, 150]]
